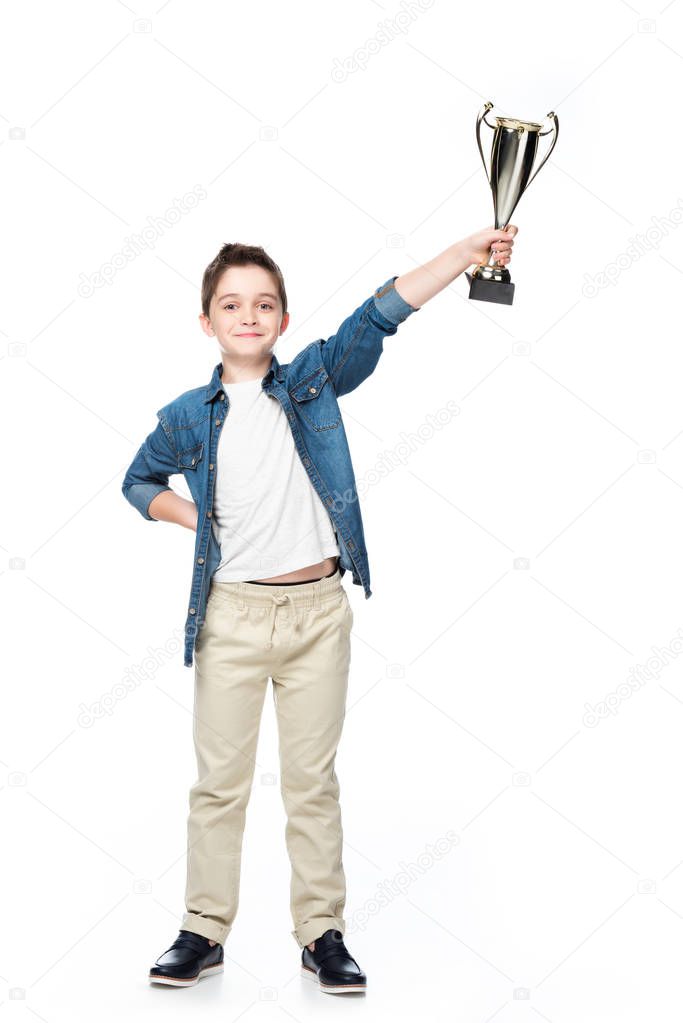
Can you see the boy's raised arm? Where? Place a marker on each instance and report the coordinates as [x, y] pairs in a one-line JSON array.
[[351, 355]]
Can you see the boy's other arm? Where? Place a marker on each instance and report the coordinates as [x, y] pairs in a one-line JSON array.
[[419, 285], [168, 506], [145, 484]]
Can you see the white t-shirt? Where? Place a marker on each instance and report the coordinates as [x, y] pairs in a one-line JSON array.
[[267, 516]]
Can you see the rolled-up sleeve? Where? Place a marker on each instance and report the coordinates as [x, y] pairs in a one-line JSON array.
[[392, 305]]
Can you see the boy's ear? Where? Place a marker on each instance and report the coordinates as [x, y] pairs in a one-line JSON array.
[[284, 323], [205, 324]]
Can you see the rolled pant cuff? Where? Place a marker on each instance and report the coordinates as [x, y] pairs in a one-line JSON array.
[[308, 932], [198, 925]]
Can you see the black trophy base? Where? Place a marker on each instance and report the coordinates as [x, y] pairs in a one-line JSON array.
[[491, 291]]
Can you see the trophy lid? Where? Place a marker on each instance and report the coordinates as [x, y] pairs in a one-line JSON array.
[[512, 122]]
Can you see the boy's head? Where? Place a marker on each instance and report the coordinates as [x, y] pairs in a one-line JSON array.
[[243, 293]]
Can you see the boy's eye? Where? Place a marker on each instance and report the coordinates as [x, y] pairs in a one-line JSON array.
[[230, 304]]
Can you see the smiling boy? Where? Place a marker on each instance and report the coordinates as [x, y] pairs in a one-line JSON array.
[[277, 524]]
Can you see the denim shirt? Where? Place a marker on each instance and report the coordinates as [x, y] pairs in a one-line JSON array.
[[185, 441]]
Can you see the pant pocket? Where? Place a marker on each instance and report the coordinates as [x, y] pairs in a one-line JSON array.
[[344, 609]]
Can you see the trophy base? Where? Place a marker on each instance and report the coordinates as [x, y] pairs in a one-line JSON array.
[[484, 290]]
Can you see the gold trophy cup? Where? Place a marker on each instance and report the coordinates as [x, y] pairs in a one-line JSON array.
[[513, 153]]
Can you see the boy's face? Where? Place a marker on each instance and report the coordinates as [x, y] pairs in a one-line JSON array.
[[245, 314]]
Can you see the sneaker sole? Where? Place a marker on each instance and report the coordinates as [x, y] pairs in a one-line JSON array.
[[332, 989], [186, 981]]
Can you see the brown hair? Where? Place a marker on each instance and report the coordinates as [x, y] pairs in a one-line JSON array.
[[237, 254]]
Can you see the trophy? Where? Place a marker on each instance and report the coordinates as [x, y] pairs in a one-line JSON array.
[[512, 157]]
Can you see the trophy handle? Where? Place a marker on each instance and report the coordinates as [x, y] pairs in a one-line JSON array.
[[556, 129], [482, 117]]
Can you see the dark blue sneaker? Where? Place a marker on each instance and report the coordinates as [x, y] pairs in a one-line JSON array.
[[189, 958], [331, 966]]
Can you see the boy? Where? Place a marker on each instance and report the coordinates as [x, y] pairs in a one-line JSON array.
[[277, 522]]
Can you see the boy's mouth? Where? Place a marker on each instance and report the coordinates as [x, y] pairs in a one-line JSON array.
[[250, 334]]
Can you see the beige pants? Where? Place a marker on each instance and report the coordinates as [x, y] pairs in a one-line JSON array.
[[300, 637]]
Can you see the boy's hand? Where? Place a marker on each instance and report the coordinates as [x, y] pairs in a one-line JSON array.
[[476, 247]]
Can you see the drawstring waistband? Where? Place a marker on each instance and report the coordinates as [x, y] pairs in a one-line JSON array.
[[311, 595]]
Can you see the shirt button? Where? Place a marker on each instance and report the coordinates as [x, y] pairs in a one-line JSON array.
[[193, 610], [211, 465], [313, 390], [218, 422], [221, 397], [200, 561], [208, 515]]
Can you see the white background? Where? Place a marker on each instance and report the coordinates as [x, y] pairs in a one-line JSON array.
[[562, 898]]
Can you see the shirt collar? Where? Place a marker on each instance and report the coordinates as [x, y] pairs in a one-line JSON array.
[[216, 382]]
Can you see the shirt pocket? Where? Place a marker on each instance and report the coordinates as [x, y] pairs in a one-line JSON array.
[[189, 458], [316, 402]]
